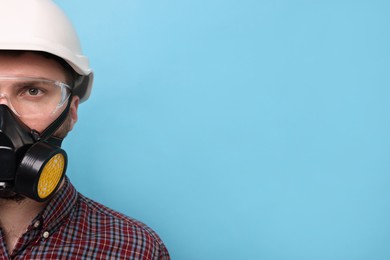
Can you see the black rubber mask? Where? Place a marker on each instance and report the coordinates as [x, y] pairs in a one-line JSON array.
[[31, 164]]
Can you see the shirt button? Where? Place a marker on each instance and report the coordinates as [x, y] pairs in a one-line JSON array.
[[37, 224], [46, 234]]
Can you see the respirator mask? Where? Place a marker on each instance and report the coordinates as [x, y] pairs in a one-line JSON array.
[[31, 164]]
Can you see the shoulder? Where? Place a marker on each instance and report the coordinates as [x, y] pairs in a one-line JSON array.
[[97, 222]]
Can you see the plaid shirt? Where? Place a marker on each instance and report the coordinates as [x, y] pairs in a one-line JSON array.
[[75, 227]]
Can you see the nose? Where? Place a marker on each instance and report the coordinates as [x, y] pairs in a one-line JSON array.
[[4, 99]]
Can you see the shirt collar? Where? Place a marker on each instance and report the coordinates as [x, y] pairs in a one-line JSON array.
[[60, 206]]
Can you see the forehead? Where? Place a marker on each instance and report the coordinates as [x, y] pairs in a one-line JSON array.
[[30, 64]]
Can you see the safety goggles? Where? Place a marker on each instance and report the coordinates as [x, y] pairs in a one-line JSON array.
[[30, 96]]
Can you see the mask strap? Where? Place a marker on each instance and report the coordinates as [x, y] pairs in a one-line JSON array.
[[46, 134]]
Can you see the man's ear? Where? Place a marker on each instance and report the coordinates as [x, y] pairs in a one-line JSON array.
[[73, 111]]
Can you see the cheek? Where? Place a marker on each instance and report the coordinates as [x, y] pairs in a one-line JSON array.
[[38, 124]]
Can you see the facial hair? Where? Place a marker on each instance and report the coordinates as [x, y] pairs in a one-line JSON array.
[[11, 196]]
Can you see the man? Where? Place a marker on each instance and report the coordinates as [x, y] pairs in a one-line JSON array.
[[43, 78]]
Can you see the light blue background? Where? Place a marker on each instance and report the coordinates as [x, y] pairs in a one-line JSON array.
[[240, 129]]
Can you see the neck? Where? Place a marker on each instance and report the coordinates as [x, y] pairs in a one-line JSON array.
[[15, 217]]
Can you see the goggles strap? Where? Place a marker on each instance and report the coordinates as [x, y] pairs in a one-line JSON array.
[[46, 135]]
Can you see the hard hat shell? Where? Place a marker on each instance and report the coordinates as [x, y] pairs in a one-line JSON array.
[[40, 25]]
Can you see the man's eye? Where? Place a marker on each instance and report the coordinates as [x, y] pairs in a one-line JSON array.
[[33, 91]]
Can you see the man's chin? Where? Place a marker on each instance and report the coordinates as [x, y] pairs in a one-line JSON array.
[[10, 196]]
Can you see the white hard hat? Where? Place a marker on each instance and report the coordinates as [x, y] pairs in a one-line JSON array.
[[40, 25]]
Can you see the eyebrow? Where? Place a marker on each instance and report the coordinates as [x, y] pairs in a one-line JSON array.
[[24, 82]]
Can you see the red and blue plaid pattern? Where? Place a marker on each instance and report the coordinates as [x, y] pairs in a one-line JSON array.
[[75, 227]]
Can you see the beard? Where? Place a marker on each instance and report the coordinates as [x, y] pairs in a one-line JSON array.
[[64, 129], [7, 195]]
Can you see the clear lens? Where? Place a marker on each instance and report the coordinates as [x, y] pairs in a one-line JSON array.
[[28, 96]]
